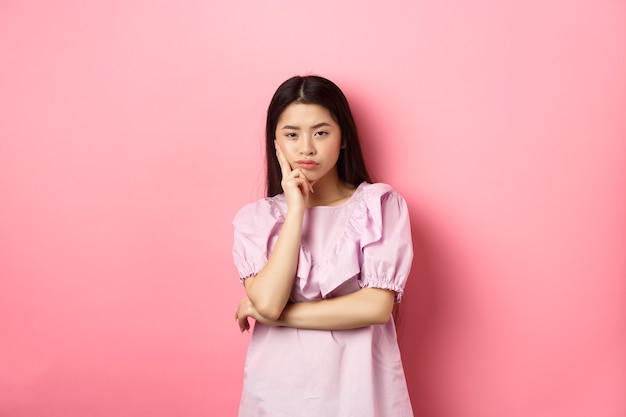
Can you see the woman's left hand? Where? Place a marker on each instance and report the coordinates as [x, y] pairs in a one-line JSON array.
[[245, 310]]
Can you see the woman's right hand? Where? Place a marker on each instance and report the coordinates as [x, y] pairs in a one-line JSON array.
[[246, 310], [296, 185]]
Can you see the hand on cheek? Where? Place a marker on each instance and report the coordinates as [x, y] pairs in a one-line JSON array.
[[295, 184]]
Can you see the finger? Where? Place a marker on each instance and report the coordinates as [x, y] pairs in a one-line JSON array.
[[285, 168], [300, 181], [307, 183], [243, 324]]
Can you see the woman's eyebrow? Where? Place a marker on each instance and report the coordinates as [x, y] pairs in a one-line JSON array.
[[323, 124]]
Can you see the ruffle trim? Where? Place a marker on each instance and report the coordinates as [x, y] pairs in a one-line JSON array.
[[385, 285], [345, 259], [246, 272]]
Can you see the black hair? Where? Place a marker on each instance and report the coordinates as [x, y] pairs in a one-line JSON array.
[[313, 89]]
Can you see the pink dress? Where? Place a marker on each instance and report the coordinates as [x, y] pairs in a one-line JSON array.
[[364, 242]]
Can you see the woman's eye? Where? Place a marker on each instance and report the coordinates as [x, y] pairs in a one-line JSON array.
[[321, 133], [290, 135]]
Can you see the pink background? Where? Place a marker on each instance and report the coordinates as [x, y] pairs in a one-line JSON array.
[[131, 132]]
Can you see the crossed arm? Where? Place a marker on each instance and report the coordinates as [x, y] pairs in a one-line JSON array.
[[364, 307]]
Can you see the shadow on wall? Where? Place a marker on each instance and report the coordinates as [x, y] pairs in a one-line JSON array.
[[421, 318], [422, 314]]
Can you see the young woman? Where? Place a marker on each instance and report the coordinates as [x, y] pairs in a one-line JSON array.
[[323, 258]]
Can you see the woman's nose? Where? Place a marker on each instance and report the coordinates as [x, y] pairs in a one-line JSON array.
[[307, 147]]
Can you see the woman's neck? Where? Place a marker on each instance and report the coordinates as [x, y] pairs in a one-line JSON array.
[[330, 191]]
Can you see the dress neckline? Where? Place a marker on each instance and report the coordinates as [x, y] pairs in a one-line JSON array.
[[357, 190]]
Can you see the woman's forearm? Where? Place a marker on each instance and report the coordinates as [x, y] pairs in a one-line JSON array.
[[269, 290], [364, 307]]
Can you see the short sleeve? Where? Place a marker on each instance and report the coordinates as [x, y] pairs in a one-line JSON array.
[[256, 228], [388, 252]]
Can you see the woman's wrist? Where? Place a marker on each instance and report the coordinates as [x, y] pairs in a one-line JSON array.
[[294, 214]]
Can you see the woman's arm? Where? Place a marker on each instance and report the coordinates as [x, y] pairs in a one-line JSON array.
[[269, 290], [364, 307]]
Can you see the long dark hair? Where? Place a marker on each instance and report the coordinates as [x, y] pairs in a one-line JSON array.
[[313, 89]]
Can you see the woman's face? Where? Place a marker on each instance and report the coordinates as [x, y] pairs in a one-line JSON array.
[[310, 139]]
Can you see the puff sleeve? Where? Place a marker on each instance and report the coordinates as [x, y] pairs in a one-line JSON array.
[[386, 245], [256, 228]]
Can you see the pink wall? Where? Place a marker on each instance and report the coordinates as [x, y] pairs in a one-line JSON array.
[[130, 133]]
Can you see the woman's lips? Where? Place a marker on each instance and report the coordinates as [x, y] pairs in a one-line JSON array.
[[307, 164]]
